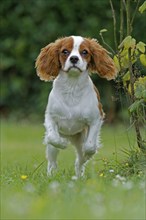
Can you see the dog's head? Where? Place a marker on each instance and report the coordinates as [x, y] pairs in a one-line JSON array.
[[74, 54]]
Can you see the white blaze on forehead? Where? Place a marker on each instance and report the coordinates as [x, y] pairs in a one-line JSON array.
[[77, 40]]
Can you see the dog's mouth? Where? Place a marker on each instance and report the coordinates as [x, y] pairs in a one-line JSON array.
[[74, 68]]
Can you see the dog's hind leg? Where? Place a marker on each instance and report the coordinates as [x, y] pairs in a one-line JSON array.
[[79, 163], [77, 141], [51, 154]]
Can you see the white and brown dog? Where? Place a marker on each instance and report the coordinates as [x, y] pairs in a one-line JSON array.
[[74, 113]]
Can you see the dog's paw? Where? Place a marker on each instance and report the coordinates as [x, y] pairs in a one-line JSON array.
[[58, 142], [51, 169], [88, 151]]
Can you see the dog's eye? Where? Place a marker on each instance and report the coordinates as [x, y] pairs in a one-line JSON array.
[[65, 52], [84, 52]]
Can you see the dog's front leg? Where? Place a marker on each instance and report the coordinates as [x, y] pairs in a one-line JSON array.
[[92, 141], [52, 135]]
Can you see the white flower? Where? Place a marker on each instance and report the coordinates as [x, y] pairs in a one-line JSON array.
[[74, 178], [120, 178], [111, 171]]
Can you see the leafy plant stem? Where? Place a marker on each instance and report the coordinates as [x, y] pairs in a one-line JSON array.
[[128, 17], [106, 43], [121, 21], [114, 22], [136, 9], [134, 114]]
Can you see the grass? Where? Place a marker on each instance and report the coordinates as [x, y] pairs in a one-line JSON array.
[[112, 188]]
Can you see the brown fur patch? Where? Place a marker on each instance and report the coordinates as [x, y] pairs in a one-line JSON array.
[[67, 44], [49, 61], [85, 46], [99, 103], [101, 62]]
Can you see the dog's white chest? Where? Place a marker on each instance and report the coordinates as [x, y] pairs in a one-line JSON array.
[[71, 126], [73, 104], [73, 117], [70, 121]]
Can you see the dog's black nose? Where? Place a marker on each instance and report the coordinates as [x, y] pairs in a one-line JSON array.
[[74, 59]]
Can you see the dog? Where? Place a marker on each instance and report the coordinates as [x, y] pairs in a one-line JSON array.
[[74, 113]]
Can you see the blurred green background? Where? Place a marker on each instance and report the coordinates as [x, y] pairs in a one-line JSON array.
[[29, 25]]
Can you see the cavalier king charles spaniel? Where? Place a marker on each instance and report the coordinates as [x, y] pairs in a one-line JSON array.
[[74, 112]]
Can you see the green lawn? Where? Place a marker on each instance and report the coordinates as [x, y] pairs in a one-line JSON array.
[[104, 193]]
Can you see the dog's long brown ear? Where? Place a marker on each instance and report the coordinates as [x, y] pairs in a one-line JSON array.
[[101, 62], [47, 63]]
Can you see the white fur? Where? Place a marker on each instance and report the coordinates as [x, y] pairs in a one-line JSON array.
[[72, 114]]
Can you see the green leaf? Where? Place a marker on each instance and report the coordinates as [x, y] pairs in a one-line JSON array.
[[140, 88], [126, 77], [142, 8], [103, 30], [141, 46], [128, 42], [139, 92], [125, 62], [135, 105], [116, 61], [143, 59], [144, 95]]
